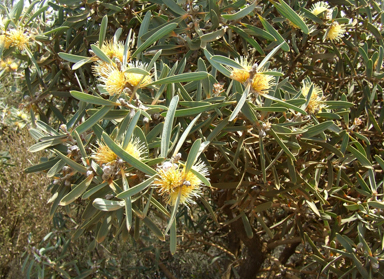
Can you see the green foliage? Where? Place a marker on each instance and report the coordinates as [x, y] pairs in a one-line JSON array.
[[226, 123]]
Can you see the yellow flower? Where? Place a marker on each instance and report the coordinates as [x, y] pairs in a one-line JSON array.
[[335, 32], [113, 79], [104, 155], [315, 104], [18, 39], [114, 50], [241, 75], [173, 180], [13, 66], [5, 40], [319, 8], [261, 83], [136, 79]]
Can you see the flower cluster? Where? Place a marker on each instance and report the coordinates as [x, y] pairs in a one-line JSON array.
[[173, 181], [111, 163], [315, 103], [249, 73], [118, 76], [18, 38]]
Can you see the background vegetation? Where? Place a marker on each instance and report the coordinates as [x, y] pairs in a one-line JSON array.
[[193, 139]]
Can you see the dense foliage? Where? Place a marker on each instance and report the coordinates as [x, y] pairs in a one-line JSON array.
[[248, 132]]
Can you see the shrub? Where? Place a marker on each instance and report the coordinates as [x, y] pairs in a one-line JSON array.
[[250, 132]]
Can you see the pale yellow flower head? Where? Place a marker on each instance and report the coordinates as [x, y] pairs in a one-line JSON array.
[[241, 75], [104, 155], [335, 32], [261, 83], [173, 180], [319, 8], [18, 38], [114, 50], [114, 80], [316, 102], [137, 79]]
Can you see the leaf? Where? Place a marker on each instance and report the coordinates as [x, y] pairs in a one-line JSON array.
[[173, 238], [242, 13], [152, 226], [274, 33], [76, 192], [216, 65], [197, 110], [269, 56], [174, 7], [240, 103], [282, 145], [127, 157], [168, 125], [42, 166], [192, 156], [71, 57], [174, 211], [360, 157], [291, 15], [90, 99], [185, 135], [103, 30], [226, 61], [136, 189], [248, 38], [156, 36], [107, 205], [202, 178], [285, 104], [317, 129], [71, 163], [90, 122], [210, 210], [247, 225], [181, 78], [99, 53]]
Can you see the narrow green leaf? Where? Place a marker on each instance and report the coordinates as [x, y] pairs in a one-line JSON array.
[[76, 192], [99, 53], [317, 129], [181, 78], [173, 238], [202, 178], [174, 211], [226, 61], [107, 205], [282, 145], [103, 30], [197, 110], [210, 210], [71, 57], [174, 7], [155, 229], [240, 103], [247, 225], [92, 191], [192, 156], [71, 163], [274, 33], [291, 15], [136, 189], [185, 135], [156, 36], [168, 125], [285, 104], [88, 124], [127, 157], [360, 157], [242, 13], [91, 99]]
